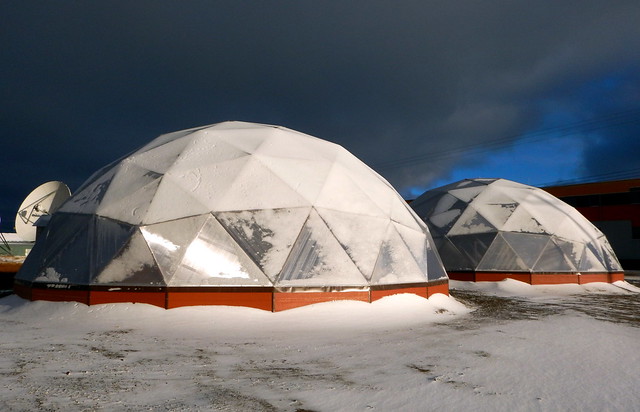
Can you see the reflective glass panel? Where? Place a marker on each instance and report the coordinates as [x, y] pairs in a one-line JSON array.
[[134, 265], [442, 222], [590, 262], [213, 258], [168, 241], [473, 246], [108, 239], [416, 242], [396, 264], [267, 236], [61, 231], [318, 259], [70, 263], [349, 229], [452, 258], [552, 259], [573, 251], [527, 246], [435, 267], [501, 257]]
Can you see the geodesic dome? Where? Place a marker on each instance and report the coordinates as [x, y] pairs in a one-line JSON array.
[[233, 213], [491, 229]]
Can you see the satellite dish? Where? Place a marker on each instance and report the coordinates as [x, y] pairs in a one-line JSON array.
[[43, 200]]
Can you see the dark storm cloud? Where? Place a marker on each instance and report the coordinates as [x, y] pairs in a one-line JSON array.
[[85, 82]]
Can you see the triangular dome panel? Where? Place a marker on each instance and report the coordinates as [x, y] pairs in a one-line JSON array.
[[257, 187], [496, 213], [609, 257], [239, 138], [473, 246], [286, 144], [307, 177], [528, 246], [572, 251], [452, 258], [495, 194], [71, 263], [267, 236], [134, 265], [467, 194], [161, 158], [349, 228], [406, 217], [317, 259], [370, 183], [130, 207], [87, 199], [416, 242], [214, 259], [501, 257], [590, 262], [340, 192], [172, 201], [521, 221], [544, 211], [553, 260], [109, 238], [395, 263], [167, 138], [210, 184], [169, 241], [445, 203], [203, 151], [60, 232], [471, 222], [442, 222]]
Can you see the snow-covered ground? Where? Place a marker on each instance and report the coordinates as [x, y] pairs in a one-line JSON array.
[[497, 346]]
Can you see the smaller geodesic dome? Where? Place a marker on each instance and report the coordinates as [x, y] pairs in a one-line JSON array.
[[236, 214], [492, 229]]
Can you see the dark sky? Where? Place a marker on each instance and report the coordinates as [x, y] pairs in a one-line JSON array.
[[425, 92]]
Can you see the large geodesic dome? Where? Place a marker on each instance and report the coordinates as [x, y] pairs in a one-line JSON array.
[[492, 229], [238, 214]]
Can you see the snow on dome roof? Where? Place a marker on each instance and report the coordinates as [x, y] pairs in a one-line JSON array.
[[235, 205], [496, 225]]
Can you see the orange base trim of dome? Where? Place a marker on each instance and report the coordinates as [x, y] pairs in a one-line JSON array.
[[538, 278]]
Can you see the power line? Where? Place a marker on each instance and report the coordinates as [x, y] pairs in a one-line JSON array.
[[585, 126], [615, 175]]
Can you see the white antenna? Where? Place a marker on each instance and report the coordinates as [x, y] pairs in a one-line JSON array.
[[43, 200]]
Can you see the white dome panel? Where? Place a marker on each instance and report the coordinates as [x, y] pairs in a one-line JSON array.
[[257, 187]]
